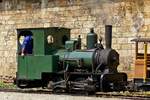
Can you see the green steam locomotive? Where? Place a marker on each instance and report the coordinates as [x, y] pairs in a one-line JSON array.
[[58, 62]]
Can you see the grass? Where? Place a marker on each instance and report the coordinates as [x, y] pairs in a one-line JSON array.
[[7, 85]]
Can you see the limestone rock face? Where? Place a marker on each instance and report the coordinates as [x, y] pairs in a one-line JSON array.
[[129, 18]]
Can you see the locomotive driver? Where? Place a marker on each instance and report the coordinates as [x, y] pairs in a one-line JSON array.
[[27, 45]]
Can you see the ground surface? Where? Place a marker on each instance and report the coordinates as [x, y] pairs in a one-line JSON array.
[[28, 96]]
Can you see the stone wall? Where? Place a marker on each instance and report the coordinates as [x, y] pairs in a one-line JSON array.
[[130, 18]]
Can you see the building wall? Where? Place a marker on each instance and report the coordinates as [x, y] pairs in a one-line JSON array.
[[130, 18]]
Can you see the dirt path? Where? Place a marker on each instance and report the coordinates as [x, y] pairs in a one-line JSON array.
[[27, 96]]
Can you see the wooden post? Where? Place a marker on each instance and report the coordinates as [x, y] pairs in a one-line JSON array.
[[136, 50], [145, 61]]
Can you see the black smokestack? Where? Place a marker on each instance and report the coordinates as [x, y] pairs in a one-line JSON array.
[[108, 36]]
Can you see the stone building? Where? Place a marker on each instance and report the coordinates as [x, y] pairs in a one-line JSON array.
[[130, 18]]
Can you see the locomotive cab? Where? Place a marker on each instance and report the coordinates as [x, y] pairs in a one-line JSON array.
[[45, 41]]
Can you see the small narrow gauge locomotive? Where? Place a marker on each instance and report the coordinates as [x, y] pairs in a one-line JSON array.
[[59, 63]]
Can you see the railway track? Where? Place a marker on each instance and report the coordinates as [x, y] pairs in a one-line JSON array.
[[126, 95], [121, 95], [36, 91]]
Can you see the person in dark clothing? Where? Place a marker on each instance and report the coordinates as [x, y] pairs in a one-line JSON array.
[[99, 45]]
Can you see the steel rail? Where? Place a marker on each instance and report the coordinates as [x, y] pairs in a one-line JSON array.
[[121, 95]]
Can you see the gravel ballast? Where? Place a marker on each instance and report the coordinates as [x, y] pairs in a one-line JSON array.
[[30, 96]]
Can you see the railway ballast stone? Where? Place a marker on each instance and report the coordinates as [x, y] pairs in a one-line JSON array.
[[28, 96]]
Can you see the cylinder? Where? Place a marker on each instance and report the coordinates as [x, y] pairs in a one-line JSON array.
[[108, 36], [91, 39]]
